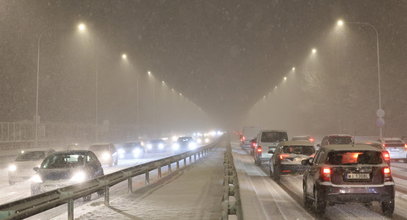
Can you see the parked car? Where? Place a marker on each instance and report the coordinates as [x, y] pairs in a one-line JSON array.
[[267, 141], [66, 168], [348, 173], [22, 167], [396, 148], [156, 146], [248, 133], [288, 156], [336, 139], [106, 153], [134, 149]]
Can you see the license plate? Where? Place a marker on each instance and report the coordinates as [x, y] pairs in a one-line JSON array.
[[358, 176]]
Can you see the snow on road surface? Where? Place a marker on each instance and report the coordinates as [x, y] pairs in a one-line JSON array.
[[273, 203], [192, 193]]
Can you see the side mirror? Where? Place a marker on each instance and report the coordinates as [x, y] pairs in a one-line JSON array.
[[36, 169]]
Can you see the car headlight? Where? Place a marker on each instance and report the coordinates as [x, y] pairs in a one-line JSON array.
[[160, 146], [149, 146], [136, 152], [207, 140], [174, 138], [79, 177], [199, 140], [105, 156], [120, 151], [175, 146], [36, 179], [12, 167], [192, 146]]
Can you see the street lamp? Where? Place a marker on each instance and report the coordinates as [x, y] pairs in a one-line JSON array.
[[380, 110], [81, 27], [293, 69], [285, 78], [314, 50], [124, 56]]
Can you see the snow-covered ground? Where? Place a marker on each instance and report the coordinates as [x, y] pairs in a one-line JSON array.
[[192, 193], [262, 198]]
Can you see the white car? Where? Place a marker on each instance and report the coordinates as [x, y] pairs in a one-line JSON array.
[[22, 167], [267, 142], [396, 148]]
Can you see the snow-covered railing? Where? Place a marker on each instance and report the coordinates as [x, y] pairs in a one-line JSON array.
[[231, 204], [39, 203]]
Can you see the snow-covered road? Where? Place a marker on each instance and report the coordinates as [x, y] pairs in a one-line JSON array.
[[263, 198]]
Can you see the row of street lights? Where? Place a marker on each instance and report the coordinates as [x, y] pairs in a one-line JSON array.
[[380, 111]]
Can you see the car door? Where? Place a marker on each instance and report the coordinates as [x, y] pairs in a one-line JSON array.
[[313, 173], [94, 165]]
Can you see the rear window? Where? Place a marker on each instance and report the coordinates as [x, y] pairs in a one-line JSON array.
[[31, 155], [394, 142], [99, 147], [273, 136], [304, 150], [340, 140], [353, 157]]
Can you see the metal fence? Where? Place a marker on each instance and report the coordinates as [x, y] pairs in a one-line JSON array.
[[231, 203], [39, 203]]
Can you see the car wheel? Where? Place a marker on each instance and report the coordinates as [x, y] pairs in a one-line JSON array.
[[388, 207], [319, 202], [87, 198], [307, 201], [276, 174]]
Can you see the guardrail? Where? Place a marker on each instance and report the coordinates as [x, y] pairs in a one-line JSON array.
[[39, 203], [231, 204]]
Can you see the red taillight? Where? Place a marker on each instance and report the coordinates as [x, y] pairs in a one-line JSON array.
[[326, 174], [259, 149], [243, 138], [384, 145], [283, 156], [386, 155], [311, 139], [405, 146], [387, 174], [254, 144]]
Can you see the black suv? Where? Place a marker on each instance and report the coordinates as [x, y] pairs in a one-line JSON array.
[[348, 173]]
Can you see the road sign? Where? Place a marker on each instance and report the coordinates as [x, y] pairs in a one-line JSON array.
[[380, 113], [380, 122]]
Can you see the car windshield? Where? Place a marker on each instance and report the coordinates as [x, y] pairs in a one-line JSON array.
[[340, 140], [305, 150], [95, 148], [354, 157], [63, 161], [31, 155], [273, 136]]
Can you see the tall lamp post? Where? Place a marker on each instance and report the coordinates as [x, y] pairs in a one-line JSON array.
[[380, 111]]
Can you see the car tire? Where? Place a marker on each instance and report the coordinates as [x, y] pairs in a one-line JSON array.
[[87, 198], [276, 174], [319, 203], [388, 207], [307, 201]]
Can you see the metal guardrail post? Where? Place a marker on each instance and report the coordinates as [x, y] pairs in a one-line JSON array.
[[194, 157], [190, 159], [147, 177], [70, 209], [106, 195], [169, 168], [159, 172], [185, 162], [177, 164], [130, 184]]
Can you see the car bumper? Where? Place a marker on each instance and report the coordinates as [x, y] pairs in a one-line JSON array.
[[361, 194]]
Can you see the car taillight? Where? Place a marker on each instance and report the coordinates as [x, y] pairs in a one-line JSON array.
[[387, 174], [283, 156], [386, 155], [405, 146], [254, 144], [243, 138], [259, 149], [326, 174], [384, 145], [311, 140]]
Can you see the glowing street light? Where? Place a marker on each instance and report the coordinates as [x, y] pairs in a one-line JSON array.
[[340, 23], [81, 27], [293, 69], [314, 50], [124, 56], [149, 73], [285, 78]]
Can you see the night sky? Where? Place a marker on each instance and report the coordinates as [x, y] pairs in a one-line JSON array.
[[222, 55]]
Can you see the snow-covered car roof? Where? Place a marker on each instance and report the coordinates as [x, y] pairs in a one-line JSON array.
[[350, 147], [271, 130], [296, 143], [392, 139], [338, 135]]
